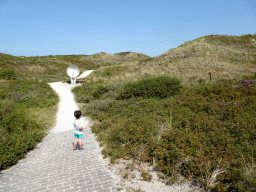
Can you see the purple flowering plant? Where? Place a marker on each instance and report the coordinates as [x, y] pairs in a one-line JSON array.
[[247, 83]]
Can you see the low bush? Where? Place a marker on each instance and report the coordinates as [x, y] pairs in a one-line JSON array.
[[83, 94], [160, 87], [99, 91], [7, 74], [146, 176], [92, 91]]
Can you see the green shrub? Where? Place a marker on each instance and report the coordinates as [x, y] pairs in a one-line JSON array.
[[84, 93], [100, 90], [126, 175], [108, 73], [2, 93], [160, 87], [146, 176], [130, 166], [7, 74], [94, 108], [84, 99], [19, 133]]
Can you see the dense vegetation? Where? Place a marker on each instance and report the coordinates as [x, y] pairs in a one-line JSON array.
[[205, 129], [20, 102], [7, 74]]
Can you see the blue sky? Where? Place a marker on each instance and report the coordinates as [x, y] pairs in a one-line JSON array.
[[151, 27]]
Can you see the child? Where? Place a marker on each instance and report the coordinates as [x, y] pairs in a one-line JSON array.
[[78, 129]]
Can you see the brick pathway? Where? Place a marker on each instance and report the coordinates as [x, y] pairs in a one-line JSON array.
[[54, 166]]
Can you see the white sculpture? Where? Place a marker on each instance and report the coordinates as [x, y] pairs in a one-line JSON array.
[[73, 72]]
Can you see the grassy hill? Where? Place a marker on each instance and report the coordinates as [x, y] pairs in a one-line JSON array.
[[226, 57], [164, 110], [54, 68]]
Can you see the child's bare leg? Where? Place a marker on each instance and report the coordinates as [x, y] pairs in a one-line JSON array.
[[80, 143], [75, 143]]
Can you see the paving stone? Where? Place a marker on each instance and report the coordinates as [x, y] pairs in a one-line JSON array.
[[71, 190], [106, 190], [54, 186], [97, 189], [42, 189], [62, 188]]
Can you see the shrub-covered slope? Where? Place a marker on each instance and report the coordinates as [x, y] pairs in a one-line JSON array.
[[205, 133]]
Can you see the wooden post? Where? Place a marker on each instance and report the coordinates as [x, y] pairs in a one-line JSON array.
[[210, 77]]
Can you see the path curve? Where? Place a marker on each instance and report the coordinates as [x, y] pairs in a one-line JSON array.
[[53, 165]]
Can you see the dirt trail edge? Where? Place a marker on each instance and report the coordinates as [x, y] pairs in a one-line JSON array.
[[53, 165]]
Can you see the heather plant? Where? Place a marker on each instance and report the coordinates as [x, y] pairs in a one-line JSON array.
[[247, 83]]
